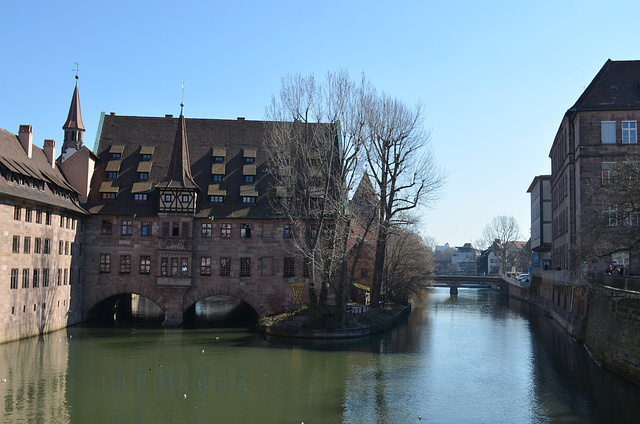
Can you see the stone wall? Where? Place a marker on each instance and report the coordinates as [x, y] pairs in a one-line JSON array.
[[613, 330]]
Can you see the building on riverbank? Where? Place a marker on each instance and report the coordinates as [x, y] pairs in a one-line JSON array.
[[599, 131], [41, 258]]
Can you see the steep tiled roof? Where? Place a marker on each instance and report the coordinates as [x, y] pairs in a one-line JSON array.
[[179, 174], [15, 160], [74, 119], [615, 87], [208, 140]]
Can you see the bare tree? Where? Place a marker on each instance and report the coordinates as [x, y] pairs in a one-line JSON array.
[[501, 232], [408, 267], [401, 164], [313, 142]]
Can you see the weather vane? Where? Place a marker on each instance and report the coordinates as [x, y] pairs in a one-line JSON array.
[[77, 68], [182, 101]]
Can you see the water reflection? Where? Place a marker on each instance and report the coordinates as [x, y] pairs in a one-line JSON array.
[[475, 357]]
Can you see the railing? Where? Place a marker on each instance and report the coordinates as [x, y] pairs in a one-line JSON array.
[[618, 282]]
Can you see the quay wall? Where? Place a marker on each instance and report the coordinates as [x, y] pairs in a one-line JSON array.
[[605, 315]]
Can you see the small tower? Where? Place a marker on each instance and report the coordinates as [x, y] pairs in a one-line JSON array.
[[178, 191], [73, 128]]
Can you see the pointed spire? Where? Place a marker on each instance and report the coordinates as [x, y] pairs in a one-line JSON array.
[[179, 174], [74, 119]]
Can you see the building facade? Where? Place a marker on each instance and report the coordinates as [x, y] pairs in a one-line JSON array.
[[540, 191], [599, 130]]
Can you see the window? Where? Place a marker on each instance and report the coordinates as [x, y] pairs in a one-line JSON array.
[[108, 196], [47, 246], [164, 266], [14, 278], [106, 227], [185, 229], [105, 263], [225, 267], [65, 278], [112, 175], [631, 216], [126, 228], [248, 199], [116, 155], [47, 218], [186, 198], [217, 199], [59, 279], [38, 217], [608, 132], [145, 156], [17, 212], [289, 267], [249, 179], [620, 258], [143, 176], [245, 230], [206, 230], [168, 198], [225, 230], [184, 266], [610, 213], [288, 231], [218, 159], [66, 247], [27, 245], [37, 245], [145, 264], [629, 132], [175, 229], [25, 278], [217, 178], [125, 264], [140, 196], [165, 229], [45, 277], [608, 172], [36, 278], [27, 214], [248, 159], [15, 247], [145, 228], [205, 265], [60, 247], [245, 267]]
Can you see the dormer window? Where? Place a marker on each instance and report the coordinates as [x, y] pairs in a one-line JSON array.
[[116, 155], [217, 178], [146, 152], [219, 155], [112, 175], [218, 159], [249, 179], [145, 156], [250, 155], [115, 152], [143, 176], [249, 160]]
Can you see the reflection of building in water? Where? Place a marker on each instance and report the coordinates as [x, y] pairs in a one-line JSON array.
[[36, 380]]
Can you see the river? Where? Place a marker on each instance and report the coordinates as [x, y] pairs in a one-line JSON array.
[[470, 358]]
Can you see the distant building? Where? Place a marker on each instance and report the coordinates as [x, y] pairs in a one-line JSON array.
[[465, 260], [540, 190]]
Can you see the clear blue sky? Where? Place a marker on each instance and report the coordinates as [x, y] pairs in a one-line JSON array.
[[494, 77]]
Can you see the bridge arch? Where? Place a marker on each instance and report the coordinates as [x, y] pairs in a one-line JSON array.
[[195, 295], [101, 294]]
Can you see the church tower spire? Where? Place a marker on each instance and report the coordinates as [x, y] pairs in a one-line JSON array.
[[73, 127]]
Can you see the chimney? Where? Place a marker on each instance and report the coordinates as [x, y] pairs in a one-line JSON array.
[[25, 136], [168, 116], [240, 118], [50, 152]]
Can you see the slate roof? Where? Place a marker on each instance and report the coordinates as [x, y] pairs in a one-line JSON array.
[[74, 119], [207, 138], [15, 160], [615, 87]]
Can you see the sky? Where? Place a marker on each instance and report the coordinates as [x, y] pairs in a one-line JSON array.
[[494, 78]]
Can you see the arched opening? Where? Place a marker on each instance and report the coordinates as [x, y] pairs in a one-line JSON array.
[[220, 312], [127, 310]]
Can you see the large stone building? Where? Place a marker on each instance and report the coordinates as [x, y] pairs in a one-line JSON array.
[[600, 129], [41, 266]]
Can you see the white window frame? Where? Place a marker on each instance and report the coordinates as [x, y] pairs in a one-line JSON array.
[[608, 132], [608, 172], [630, 132]]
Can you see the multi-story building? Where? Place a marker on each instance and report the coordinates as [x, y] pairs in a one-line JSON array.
[[600, 129], [540, 190], [42, 250]]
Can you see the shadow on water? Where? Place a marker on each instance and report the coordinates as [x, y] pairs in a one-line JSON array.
[[137, 312]]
